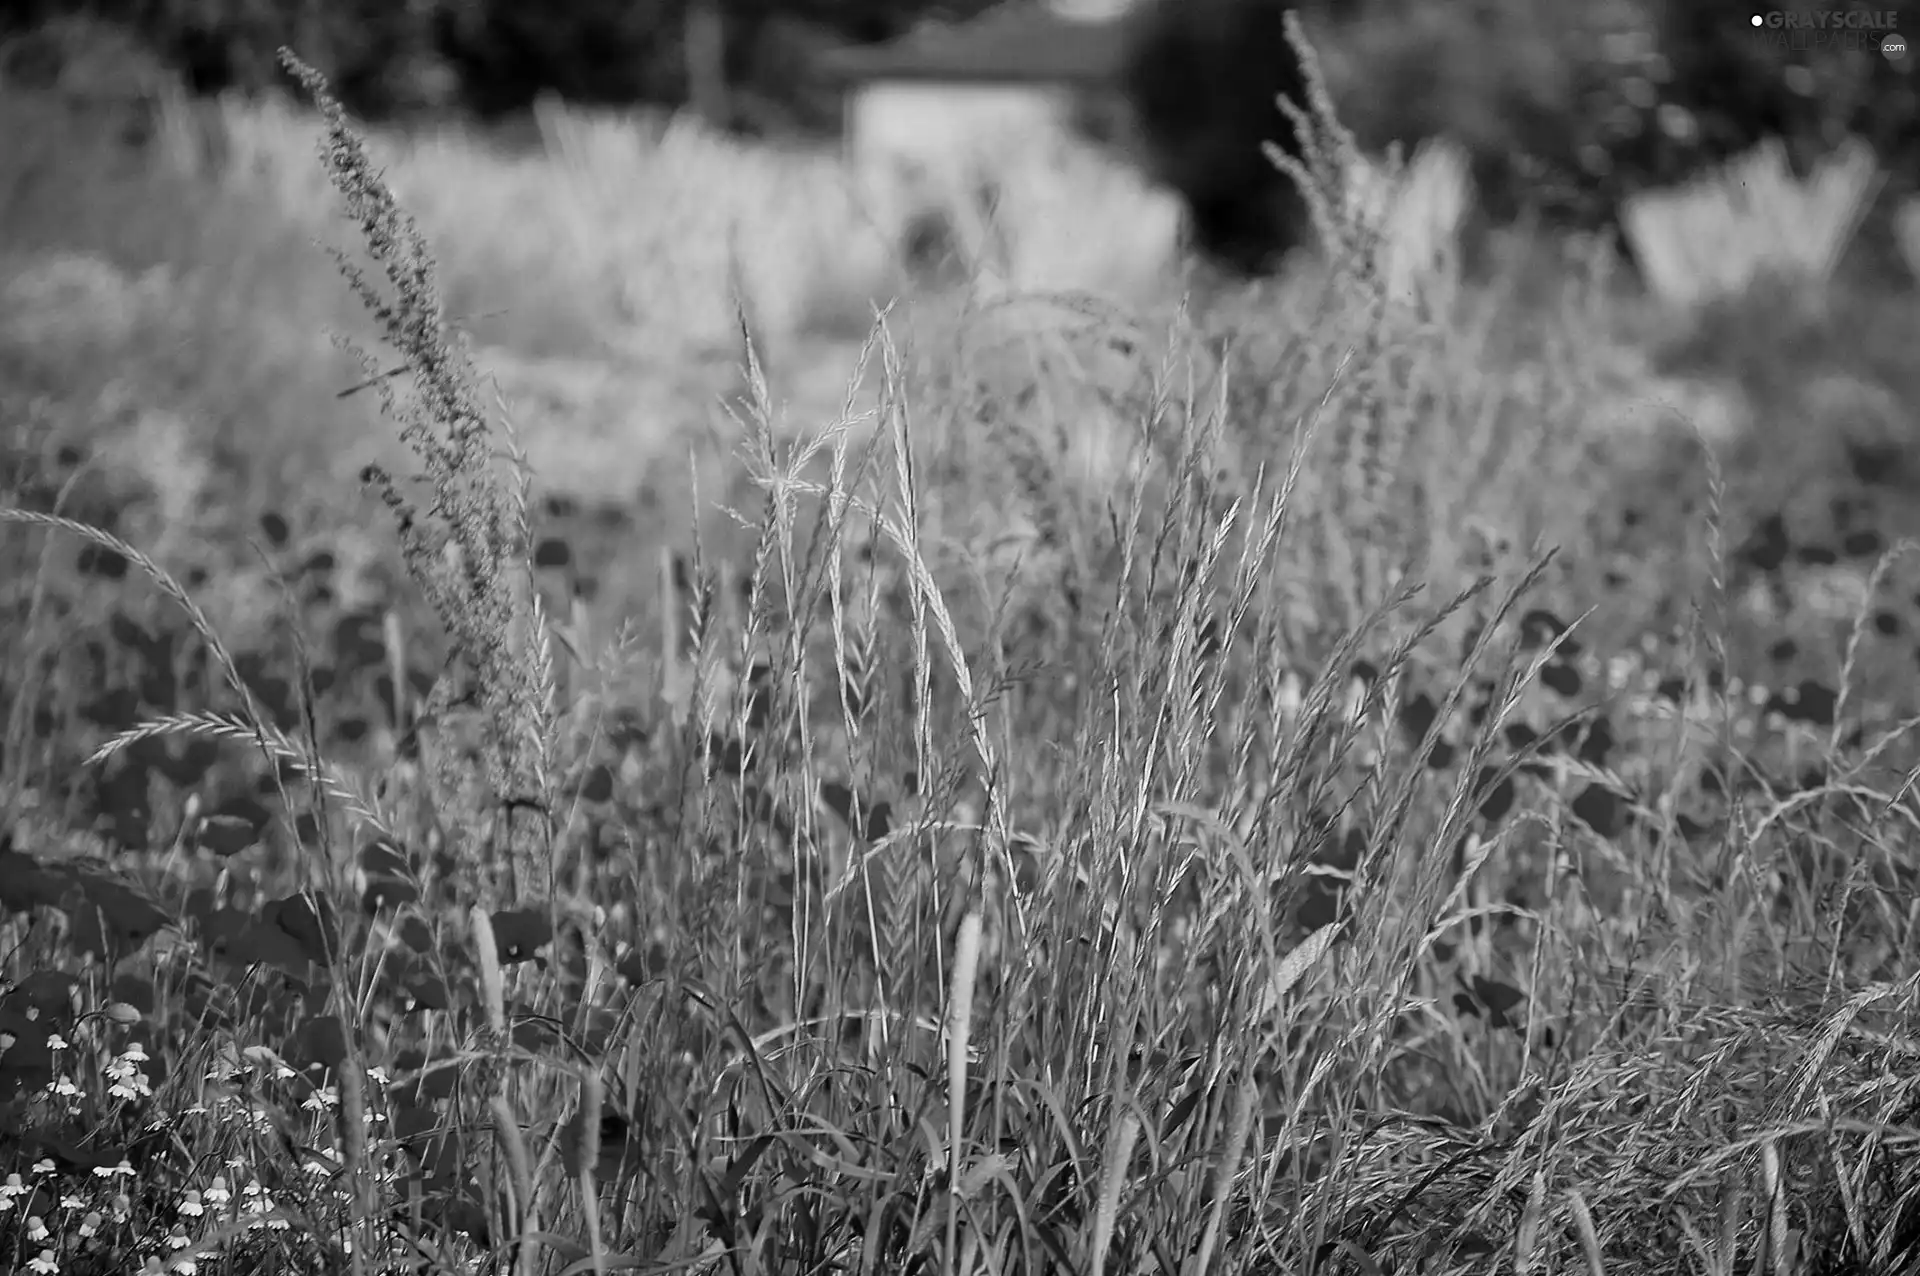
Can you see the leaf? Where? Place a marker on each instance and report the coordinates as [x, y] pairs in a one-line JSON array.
[[615, 1131], [597, 785], [227, 835], [322, 1042], [1296, 964], [310, 920], [982, 1172], [236, 936], [416, 934], [1498, 998], [606, 1262], [1181, 1112], [381, 858], [519, 932], [110, 918], [720, 1196], [26, 883]]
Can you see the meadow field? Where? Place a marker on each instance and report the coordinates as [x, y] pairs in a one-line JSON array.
[[559, 714]]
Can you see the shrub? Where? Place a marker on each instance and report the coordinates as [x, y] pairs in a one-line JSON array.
[[1569, 109], [1201, 78]]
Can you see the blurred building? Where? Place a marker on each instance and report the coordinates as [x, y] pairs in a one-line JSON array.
[[943, 92], [932, 119]]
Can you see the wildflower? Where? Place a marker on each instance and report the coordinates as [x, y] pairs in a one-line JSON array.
[[122, 1207], [44, 1265], [11, 1188], [260, 1204], [56, 1042], [217, 1193], [36, 1228], [90, 1224], [111, 1171], [324, 1099], [190, 1204], [128, 1080]]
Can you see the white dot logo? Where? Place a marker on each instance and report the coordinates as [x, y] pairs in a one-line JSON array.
[[1759, 21]]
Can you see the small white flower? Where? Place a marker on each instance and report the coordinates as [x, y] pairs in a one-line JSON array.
[[56, 1042], [190, 1205], [36, 1229], [217, 1193], [129, 1087], [44, 1265]]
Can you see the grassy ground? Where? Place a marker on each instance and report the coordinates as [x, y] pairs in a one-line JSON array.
[[1043, 831]]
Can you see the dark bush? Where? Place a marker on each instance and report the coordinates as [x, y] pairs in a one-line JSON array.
[[382, 54], [1202, 78], [1567, 108], [393, 57]]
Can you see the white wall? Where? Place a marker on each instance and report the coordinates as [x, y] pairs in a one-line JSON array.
[[916, 145], [912, 145], [942, 123]]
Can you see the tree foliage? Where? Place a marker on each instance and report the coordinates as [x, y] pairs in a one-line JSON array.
[[1203, 78]]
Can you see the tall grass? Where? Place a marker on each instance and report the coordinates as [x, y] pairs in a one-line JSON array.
[[1062, 909]]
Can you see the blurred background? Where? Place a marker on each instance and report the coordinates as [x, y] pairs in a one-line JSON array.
[[1565, 105], [599, 179]]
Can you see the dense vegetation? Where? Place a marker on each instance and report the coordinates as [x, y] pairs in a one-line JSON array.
[[1286, 777]]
